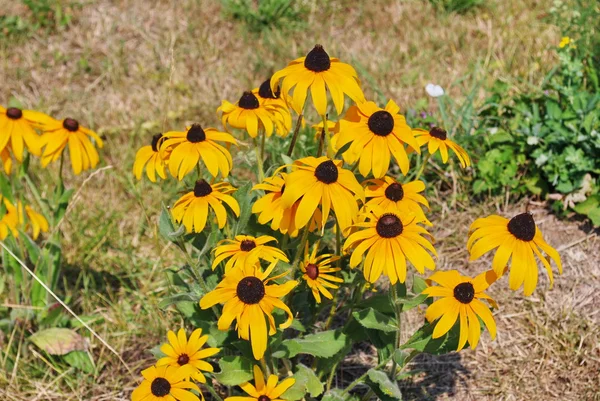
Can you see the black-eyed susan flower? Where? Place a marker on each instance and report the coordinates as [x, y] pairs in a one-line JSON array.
[[277, 103], [58, 134], [29, 218], [196, 144], [248, 297], [243, 247], [437, 139], [9, 222], [318, 272], [149, 157], [461, 299], [166, 383], [313, 72], [192, 208], [390, 238], [181, 351], [263, 390], [518, 238], [388, 192], [17, 131], [374, 135], [322, 181]]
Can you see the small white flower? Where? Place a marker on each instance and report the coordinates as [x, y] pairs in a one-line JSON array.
[[434, 90], [533, 140], [541, 160]]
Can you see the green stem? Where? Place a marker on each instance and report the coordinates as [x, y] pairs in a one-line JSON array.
[[300, 250], [212, 392], [332, 311], [321, 142], [398, 313], [328, 147], [296, 131], [199, 171], [364, 376], [60, 171], [423, 164], [259, 161], [262, 145]]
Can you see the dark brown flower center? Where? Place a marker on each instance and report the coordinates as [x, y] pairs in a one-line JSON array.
[[438, 133], [394, 192], [389, 226], [327, 172], [196, 134], [183, 359], [282, 189], [265, 91], [155, 140], [250, 290], [381, 123], [317, 60], [464, 292], [247, 245], [312, 271], [522, 226], [248, 101], [202, 188], [71, 124], [13, 113], [264, 398], [160, 387]]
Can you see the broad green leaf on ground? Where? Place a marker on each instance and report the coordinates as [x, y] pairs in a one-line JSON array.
[[59, 341], [591, 208], [235, 370], [80, 360], [337, 395], [306, 382], [323, 345], [371, 319], [382, 385]]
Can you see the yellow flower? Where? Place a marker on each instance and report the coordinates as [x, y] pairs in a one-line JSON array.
[[6, 160], [390, 239], [244, 247], [317, 272], [322, 181], [37, 221], [270, 209], [10, 220], [251, 114], [150, 158], [374, 135], [437, 139], [518, 237], [192, 208], [261, 391], [56, 136], [195, 144], [181, 351], [17, 131], [166, 383], [315, 71], [564, 41], [388, 192], [278, 104], [247, 299], [461, 299]]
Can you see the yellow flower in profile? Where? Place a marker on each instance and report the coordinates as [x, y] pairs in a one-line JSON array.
[[188, 148], [437, 139], [374, 135], [264, 391], [243, 247], [57, 134], [17, 131], [150, 157], [564, 41], [181, 351], [9, 221], [322, 181], [389, 238], [317, 272], [518, 238], [278, 105], [192, 208], [37, 221], [313, 72], [461, 299], [248, 297], [270, 209], [388, 192], [166, 383]]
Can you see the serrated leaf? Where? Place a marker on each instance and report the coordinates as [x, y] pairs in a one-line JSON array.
[[235, 370], [371, 319], [58, 341], [306, 382], [323, 345], [383, 386]]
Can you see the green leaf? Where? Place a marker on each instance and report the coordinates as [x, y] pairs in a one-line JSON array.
[[383, 386], [422, 340], [418, 285], [306, 382], [234, 370], [380, 303], [323, 345], [371, 319], [166, 227], [80, 360], [400, 357], [591, 208], [244, 196], [58, 341], [337, 395], [408, 304]]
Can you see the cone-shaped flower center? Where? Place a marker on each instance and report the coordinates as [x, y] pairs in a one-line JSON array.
[[327, 172], [71, 124], [389, 226], [265, 91], [438, 133], [247, 245], [160, 387], [394, 192], [264, 398], [312, 271], [464, 292], [522, 226], [183, 359], [13, 113], [155, 140], [202, 188], [196, 134], [248, 101], [317, 60], [250, 290], [381, 123]]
